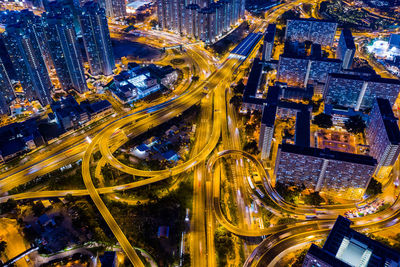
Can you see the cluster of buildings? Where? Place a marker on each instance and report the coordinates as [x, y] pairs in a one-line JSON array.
[[203, 20], [140, 81], [346, 247], [70, 114], [304, 73], [113, 8], [21, 137], [387, 52], [37, 45]]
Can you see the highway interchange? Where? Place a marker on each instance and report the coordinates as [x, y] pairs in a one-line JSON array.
[[217, 123]]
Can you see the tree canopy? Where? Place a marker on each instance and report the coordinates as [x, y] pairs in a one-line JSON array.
[[355, 124], [323, 120]]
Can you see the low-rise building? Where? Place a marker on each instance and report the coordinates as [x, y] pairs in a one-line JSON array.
[[71, 115], [346, 247], [137, 83], [18, 138]]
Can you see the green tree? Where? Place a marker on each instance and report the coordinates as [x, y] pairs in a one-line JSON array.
[[3, 246], [223, 244], [355, 124], [236, 100], [251, 147], [153, 23], [307, 8], [38, 208], [239, 88], [69, 197], [300, 259], [374, 188], [323, 120], [290, 14], [313, 199], [9, 206]]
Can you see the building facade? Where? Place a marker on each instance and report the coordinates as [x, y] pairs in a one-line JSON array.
[[359, 92], [317, 31], [299, 71], [114, 8], [65, 51], [324, 170], [383, 134], [6, 90], [346, 48], [96, 38], [267, 130], [269, 38], [23, 45]]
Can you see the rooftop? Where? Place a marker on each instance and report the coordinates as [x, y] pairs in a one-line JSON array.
[[353, 242], [328, 154], [270, 33], [389, 120], [348, 38], [244, 47], [268, 115]]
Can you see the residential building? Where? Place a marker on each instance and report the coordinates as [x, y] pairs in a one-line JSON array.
[[269, 38], [346, 49], [317, 31], [299, 71], [204, 20], [23, 44], [96, 38], [383, 134], [345, 174], [6, 90], [346, 247], [18, 138], [64, 50], [359, 91], [114, 8], [72, 115], [267, 130]]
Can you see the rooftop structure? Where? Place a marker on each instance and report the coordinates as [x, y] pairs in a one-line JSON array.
[[71, 115], [17, 138], [138, 83], [347, 247], [244, 48]]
